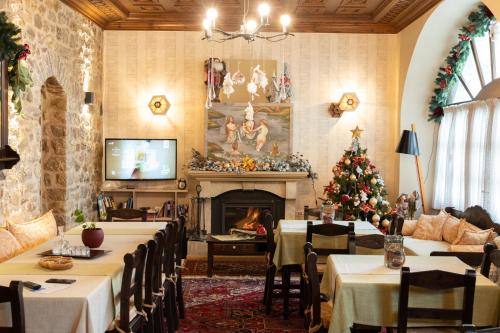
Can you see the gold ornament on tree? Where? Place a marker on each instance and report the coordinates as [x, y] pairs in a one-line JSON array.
[[352, 177], [373, 201]]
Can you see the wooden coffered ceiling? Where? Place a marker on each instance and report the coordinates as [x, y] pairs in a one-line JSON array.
[[349, 16]]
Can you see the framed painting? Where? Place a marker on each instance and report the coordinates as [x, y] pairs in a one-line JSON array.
[[255, 130]]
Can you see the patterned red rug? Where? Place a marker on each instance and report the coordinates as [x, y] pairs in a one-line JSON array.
[[233, 305], [250, 266]]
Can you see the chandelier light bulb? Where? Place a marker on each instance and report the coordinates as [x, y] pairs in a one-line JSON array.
[[264, 9], [285, 20], [251, 25], [212, 14], [206, 24]]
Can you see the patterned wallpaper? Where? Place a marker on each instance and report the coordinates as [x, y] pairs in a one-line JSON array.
[[138, 65]]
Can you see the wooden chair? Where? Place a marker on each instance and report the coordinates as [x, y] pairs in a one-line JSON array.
[[13, 294], [132, 316], [435, 280], [491, 257], [314, 212], [372, 241], [332, 230], [473, 259], [124, 214], [180, 256], [318, 311], [472, 329], [169, 284], [286, 271], [153, 297]]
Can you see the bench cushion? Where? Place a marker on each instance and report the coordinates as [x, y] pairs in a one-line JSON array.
[[31, 233], [9, 245], [423, 247]]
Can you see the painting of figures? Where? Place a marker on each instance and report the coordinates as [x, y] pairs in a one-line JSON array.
[[255, 130]]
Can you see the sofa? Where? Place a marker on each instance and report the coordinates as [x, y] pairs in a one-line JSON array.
[[450, 231]]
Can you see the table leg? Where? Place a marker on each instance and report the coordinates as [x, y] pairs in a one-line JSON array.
[[210, 260], [285, 282]]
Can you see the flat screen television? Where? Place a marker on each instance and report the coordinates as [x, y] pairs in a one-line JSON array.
[[140, 159]]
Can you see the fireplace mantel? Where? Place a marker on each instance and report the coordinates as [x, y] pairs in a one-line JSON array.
[[254, 176]]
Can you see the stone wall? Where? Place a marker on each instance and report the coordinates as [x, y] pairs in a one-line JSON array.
[[68, 48]]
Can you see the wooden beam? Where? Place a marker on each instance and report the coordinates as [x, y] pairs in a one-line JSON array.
[[477, 62], [413, 12], [382, 10]]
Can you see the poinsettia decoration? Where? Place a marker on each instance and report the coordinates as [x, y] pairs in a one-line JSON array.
[[15, 54], [479, 23]]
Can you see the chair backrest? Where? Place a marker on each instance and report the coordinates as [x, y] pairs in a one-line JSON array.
[[308, 248], [169, 249], [472, 329], [473, 259], [181, 240], [396, 226], [13, 294], [372, 241], [124, 214], [313, 290], [132, 282], [491, 257], [332, 230], [435, 280], [270, 245], [475, 215], [149, 274], [311, 212]]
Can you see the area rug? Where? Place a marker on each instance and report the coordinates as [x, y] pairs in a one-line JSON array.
[[226, 266], [233, 305]]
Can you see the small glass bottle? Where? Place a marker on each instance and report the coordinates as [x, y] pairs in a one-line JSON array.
[[59, 243], [394, 253], [327, 212]]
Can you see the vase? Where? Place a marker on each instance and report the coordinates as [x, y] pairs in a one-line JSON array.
[[92, 238], [394, 253]]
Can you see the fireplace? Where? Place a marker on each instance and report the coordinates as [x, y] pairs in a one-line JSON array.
[[240, 209]]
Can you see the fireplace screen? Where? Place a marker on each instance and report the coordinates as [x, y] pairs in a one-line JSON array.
[[243, 218]]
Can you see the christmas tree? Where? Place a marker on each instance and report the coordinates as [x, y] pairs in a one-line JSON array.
[[357, 190]]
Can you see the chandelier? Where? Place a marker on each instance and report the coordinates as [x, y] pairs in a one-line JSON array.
[[250, 30]]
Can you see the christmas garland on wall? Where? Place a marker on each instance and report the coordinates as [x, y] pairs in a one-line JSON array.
[[15, 54], [479, 23]]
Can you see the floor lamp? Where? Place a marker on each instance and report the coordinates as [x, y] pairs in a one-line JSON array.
[[409, 145]]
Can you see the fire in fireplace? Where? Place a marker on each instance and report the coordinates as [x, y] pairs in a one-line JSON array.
[[244, 210]]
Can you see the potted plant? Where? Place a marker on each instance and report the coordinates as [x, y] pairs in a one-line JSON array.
[[91, 235]]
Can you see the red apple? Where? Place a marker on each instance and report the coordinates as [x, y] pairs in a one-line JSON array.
[[261, 230]]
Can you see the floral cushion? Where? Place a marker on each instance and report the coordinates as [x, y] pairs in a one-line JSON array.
[[474, 237], [9, 245], [450, 229], [409, 227], [30, 234], [466, 226], [430, 227]]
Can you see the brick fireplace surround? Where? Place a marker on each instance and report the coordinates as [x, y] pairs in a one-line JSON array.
[[282, 184]]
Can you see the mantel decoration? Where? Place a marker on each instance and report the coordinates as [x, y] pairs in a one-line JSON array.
[[15, 54], [250, 30], [357, 190], [478, 24], [91, 235]]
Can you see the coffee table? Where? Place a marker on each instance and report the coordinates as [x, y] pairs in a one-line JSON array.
[[250, 247]]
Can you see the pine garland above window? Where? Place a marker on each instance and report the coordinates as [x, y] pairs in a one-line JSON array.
[[479, 23]]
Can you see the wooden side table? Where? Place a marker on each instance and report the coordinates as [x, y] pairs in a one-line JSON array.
[[251, 247]]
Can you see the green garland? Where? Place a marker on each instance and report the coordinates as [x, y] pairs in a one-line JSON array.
[[15, 54], [479, 23]]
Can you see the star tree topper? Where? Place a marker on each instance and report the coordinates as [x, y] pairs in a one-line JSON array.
[[356, 133]]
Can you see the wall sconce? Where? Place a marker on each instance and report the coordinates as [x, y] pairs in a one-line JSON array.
[[89, 97], [348, 102], [159, 104]]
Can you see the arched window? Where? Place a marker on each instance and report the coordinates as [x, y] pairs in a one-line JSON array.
[[468, 148]]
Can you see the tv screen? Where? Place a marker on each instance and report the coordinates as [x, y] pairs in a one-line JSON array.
[[140, 159]]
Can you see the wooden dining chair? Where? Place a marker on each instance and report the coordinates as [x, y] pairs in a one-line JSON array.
[[473, 259], [132, 316], [153, 296], [13, 294], [180, 256], [169, 284], [372, 241], [332, 230], [126, 214], [272, 288], [472, 329], [318, 310], [491, 257], [435, 280], [311, 212]]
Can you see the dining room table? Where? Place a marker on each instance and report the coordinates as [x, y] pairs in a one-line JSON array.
[[88, 305], [290, 238], [364, 291]]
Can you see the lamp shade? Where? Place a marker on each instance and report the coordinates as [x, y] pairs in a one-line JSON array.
[[408, 143]]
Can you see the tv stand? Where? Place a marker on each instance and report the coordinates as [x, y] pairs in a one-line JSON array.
[[148, 197]]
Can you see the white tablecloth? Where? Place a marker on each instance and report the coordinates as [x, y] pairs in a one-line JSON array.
[[88, 305], [364, 291], [290, 238]]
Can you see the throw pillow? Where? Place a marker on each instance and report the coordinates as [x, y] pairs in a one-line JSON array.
[[409, 227], [465, 226], [9, 245], [474, 237], [30, 234], [430, 227], [497, 241], [450, 229]]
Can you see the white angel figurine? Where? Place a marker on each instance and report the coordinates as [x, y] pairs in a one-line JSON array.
[[227, 85]]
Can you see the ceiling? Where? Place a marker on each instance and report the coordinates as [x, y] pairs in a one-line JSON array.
[[351, 16]]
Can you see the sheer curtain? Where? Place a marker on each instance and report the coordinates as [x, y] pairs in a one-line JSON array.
[[468, 150]]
